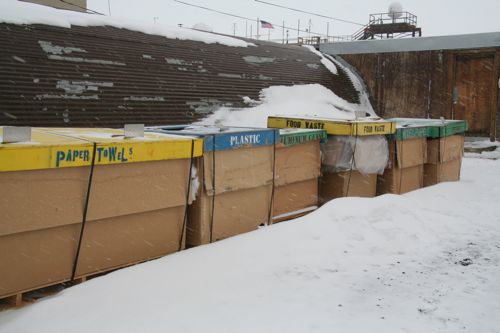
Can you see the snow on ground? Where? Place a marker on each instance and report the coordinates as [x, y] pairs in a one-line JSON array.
[[426, 261], [482, 148], [492, 155], [17, 12], [298, 100], [480, 143]]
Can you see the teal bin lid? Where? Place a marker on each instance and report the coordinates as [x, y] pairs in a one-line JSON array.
[[408, 128]]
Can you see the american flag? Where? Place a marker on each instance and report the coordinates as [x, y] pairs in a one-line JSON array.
[[266, 25]]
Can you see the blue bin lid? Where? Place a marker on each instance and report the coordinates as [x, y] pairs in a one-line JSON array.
[[223, 138]]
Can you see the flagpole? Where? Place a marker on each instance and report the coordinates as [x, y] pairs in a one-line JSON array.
[[258, 23], [283, 33], [298, 30], [268, 34]]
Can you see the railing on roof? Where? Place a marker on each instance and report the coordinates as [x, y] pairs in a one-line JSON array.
[[315, 40], [381, 25], [391, 18]]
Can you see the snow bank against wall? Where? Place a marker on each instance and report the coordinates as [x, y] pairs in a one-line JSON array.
[[300, 100], [17, 12]]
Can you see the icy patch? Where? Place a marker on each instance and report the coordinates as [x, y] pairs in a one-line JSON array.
[[48, 47], [19, 59], [358, 84], [256, 60], [21, 13], [65, 96], [9, 115], [492, 155], [175, 61], [89, 61], [329, 61], [145, 98], [230, 76], [299, 100], [326, 62], [79, 87]]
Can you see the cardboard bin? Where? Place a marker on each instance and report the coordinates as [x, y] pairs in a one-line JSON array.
[[344, 181], [407, 156], [444, 159], [445, 145], [135, 210], [298, 166], [235, 175]]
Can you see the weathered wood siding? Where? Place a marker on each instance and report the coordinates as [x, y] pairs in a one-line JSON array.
[[422, 84]]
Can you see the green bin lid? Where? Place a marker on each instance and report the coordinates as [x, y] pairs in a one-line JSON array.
[[294, 136]]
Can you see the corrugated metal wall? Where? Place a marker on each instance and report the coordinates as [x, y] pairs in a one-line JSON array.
[[104, 76]]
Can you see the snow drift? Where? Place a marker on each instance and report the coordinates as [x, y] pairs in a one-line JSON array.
[[426, 261]]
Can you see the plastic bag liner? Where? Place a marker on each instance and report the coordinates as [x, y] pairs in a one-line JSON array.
[[367, 154]]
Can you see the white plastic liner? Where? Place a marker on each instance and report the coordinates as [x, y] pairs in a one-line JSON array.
[[368, 154]]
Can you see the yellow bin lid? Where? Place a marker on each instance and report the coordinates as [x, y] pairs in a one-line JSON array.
[[360, 127], [73, 147]]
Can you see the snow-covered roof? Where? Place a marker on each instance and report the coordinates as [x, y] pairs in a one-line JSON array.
[[22, 13], [469, 41]]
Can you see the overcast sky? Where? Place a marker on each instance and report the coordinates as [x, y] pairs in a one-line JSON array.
[[436, 17]]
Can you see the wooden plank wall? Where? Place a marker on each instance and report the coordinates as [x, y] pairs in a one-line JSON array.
[[420, 84]]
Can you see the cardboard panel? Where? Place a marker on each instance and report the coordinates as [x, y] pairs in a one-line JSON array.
[[297, 163], [295, 196], [123, 240], [235, 213], [407, 153], [445, 149], [399, 181], [442, 172], [240, 212], [138, 187], [239, 169], [34, 259], [346, 184], [41, 199]]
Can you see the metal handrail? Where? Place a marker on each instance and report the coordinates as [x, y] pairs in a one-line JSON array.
[[384, 18]]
